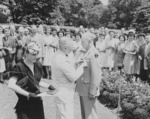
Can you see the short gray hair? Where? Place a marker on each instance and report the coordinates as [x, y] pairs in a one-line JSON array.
[[88, 36]]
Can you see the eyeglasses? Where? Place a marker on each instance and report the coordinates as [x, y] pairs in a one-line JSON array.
[[34, 54]]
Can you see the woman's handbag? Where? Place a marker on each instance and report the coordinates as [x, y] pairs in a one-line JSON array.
[[26, 84]]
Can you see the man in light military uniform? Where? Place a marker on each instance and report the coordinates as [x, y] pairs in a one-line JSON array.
[[88, 84], [64, 74]]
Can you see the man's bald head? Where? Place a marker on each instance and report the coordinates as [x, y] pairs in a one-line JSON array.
[[65, 44], [64, 41]]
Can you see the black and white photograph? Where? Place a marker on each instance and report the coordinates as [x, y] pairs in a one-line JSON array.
[[74, 59]]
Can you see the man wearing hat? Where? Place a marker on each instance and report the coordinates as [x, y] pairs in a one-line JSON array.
[[88, 84], [64, 75]]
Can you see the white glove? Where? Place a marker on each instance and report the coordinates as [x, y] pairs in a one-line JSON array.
[[140, 57]]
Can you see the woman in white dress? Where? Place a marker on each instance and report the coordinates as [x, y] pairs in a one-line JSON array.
[[48, 51], [2, 54], [110, 50], [101, 47]]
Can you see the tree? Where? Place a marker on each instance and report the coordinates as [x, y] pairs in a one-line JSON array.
[[142, 17], [121, 13], [94, 16], [32, 11], [3, 18], [81, 12], [70, 11]]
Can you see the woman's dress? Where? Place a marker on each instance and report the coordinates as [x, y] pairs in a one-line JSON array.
[[101, 46], [29, 108], [131, 59], [48, 50], [2, 61], [119, 55], [110, 52]]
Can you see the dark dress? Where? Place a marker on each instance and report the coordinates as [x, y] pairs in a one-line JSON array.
[[29, 108]]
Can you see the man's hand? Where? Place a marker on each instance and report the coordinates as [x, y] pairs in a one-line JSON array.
[[91, 97], [32, 95], [52, 92]]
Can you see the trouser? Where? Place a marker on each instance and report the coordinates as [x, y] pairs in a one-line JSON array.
[[88, 108], [65, 110], [144, 75]]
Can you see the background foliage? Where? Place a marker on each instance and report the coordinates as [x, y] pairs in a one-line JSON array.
[[117, 14]]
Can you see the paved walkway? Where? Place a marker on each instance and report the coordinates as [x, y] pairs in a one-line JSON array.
[[103, 112], [8, 100]]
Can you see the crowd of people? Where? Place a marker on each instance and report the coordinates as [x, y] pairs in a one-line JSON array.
[[123, 47], [68, 57], [127, 49]]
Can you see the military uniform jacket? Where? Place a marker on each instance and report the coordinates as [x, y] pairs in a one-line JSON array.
[[91, 78]]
